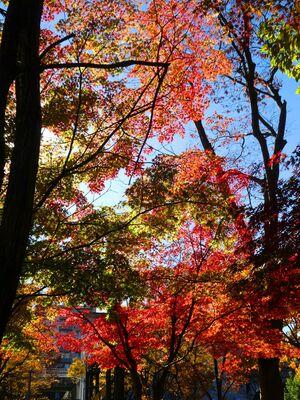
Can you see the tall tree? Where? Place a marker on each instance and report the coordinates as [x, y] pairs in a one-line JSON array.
[[253, 85], [104, 122], [260, 87], [181, 262], [19, 55], [22, 63]]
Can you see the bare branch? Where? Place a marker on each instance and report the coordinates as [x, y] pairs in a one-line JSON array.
[[54, 44], [160, 81], [73, 169], [119, 64], [76, 123]]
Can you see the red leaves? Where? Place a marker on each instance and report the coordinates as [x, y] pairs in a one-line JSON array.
[[191, 249], [276, 158]]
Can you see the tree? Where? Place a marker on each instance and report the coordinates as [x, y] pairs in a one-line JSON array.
[[292, 387], [253, 85], [281, 38], [240, 23], [79, 85], [27, 349], [192, 253], [182, 272], [22, 63], [99, 143], [76, 370]]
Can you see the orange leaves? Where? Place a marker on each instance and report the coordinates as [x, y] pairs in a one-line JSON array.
[[197, 166], [29, 345], [180, 33]]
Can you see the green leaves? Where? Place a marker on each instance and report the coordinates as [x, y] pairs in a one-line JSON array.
[[281, 42], [292, 391]]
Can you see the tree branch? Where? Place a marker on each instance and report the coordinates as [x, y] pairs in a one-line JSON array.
[[119, 64], [120, 227], [160, 81], [54, 44], [203, 136]]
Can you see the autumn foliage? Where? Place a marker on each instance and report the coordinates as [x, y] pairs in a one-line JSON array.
[[196, 267]]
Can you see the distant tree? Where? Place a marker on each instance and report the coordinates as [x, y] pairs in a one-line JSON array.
[[26, 351]]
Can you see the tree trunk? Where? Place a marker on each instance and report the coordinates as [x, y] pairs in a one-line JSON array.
[[118, 383], [108, 385], [218, 380], [158, 386], [8, 69], [25, 18], [88, 384], [158, 391], [269, 373], [271, 385], [97, 380], [137, 387]]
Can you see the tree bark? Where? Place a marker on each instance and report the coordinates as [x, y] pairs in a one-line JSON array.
[[158, 385], [8, 69], [24, 30], [218, 380], [118, 383], [108, 385], [88, 384], [271, 385], [137, 386], [97, 380]]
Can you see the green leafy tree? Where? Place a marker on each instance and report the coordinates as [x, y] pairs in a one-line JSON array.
[[292, 387], [281, 36]]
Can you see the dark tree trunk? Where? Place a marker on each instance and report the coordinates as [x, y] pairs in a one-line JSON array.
[[271, 385], [218, 380], [24, 31], [269, 373], [97, 381], [88, 383], [158, 386], [137, 386], [108, 385], [118, 383], [8, 68]]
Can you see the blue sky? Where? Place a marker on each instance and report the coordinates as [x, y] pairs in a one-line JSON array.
[[293, 107], [115, 189]]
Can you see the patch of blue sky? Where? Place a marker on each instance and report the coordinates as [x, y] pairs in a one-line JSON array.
[[115, 189], [288, 92], [113, 193]]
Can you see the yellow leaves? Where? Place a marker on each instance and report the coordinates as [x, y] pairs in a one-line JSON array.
[[76, 370], [22, 363], [292, 363]]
